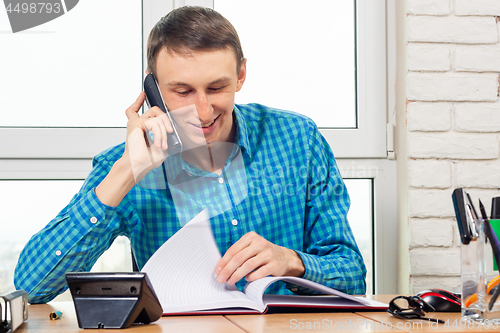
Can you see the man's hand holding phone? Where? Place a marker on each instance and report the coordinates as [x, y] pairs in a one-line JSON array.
[[143, 153]]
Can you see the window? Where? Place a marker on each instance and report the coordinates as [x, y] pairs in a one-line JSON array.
[[69, 73], [299, 58], [314, 60], [27, 206], [360, 218]]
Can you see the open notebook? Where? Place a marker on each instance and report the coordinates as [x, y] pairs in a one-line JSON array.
[[182, 274]]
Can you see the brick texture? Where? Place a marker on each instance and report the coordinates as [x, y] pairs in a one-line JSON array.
[[429, 117], [429, 173], [477, 117], [477, 7], [431, 232], [478, 58], [452, 87], [435, 261], [428, 7], [453, 127], [468, 174], [428, 57], [453, 29], [421, 283], [453, 145], [425, 203]]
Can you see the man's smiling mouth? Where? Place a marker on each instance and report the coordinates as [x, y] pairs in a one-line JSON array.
[[206, 125]]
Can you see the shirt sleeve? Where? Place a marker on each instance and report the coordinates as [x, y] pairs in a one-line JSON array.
[[330, 255], [71, 242]]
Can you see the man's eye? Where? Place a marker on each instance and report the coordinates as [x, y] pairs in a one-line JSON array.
[[183, 93], [217, 88]]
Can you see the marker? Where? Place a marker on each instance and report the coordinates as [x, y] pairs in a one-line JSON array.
[[55, 315]]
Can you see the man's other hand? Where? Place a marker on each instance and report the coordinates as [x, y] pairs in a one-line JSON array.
[[254, 257]]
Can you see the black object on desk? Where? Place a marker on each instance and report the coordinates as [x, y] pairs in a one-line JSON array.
[[466, 214], [442, 300], [113, 300]]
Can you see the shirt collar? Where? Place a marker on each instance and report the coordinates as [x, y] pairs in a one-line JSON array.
[[242, 133], [175, 164]]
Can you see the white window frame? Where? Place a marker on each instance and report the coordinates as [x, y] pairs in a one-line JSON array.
[[58, 153], [382, 172], [368, 140]]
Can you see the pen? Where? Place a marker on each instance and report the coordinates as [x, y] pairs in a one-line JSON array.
[[472, 217], [55, 315]]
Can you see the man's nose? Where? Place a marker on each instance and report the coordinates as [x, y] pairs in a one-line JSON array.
[[203, 107]]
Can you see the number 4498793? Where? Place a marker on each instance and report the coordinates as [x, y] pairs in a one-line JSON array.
[[34, 7]]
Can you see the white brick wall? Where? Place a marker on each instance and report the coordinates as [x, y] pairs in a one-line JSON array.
[[478, 58], [469, 174], [431, 232], [453, 145], [429, 7], [430, 203], [429, 57], [429, 173], [428, 282], [452, 86], [477, 7], [453, 29], [453, 117], [429, 117], [435, 261], [477, 117]]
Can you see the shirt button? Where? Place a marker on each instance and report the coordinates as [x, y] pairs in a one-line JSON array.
[[221, 180], [58, 253], [93, 220], [234, 222]]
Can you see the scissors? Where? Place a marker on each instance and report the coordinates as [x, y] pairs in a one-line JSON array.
[[490, 286]]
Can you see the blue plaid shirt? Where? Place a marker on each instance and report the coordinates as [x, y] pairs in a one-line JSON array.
[[280, 181]]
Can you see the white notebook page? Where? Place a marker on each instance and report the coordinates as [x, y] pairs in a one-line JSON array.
[[182, 272]]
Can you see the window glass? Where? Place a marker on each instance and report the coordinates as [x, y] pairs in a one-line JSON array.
[[300, 57], [360, 218], [27, 206], [82, 69]]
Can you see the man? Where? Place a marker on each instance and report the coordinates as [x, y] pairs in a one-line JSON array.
[[292, 221]]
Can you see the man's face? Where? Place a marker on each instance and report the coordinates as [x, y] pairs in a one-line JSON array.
[[207, 80]]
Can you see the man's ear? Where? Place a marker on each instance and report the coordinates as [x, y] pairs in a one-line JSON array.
[[242, 75]]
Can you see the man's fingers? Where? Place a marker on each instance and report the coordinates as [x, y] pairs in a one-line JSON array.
[[132, 111], [240, 261], [159, 132], [246, 268], [258, 273], [166, 122], [242, 243], [153, 112]]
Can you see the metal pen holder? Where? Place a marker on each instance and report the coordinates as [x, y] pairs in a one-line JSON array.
[[476, 272]]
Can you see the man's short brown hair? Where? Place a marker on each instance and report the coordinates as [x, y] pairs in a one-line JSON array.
[[192, 28]]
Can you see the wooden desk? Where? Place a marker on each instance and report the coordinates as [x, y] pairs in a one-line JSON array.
[[379, 321], [39, 321]]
